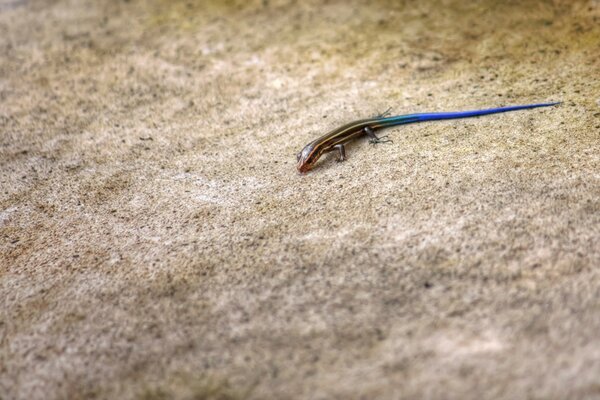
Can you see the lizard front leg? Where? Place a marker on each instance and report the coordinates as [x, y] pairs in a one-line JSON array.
[[341, 152]]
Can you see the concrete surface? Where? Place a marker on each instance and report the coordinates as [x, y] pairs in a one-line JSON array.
[[156, 241]]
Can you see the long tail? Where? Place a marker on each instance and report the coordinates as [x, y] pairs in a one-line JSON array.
[[406, 119]]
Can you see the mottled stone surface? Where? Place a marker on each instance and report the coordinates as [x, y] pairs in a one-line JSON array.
[[156, 241]]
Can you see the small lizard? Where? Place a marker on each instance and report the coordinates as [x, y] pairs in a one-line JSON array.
[[335, 139]]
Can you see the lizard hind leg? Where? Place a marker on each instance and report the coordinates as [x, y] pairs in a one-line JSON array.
[[385, 113], [373, 139]]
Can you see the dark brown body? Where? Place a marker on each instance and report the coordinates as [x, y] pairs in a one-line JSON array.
[[335, 140]]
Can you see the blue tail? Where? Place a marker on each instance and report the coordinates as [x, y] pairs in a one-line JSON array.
[[410, 118], [475, 113]]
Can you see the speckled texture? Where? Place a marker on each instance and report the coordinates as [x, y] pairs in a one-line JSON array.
[[156, 241]]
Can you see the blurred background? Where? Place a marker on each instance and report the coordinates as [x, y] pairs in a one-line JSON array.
[[156, 241]]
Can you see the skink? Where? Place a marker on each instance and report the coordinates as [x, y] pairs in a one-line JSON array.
[[334, 140]]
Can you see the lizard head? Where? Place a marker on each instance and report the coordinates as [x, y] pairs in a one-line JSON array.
[[307, 158]]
